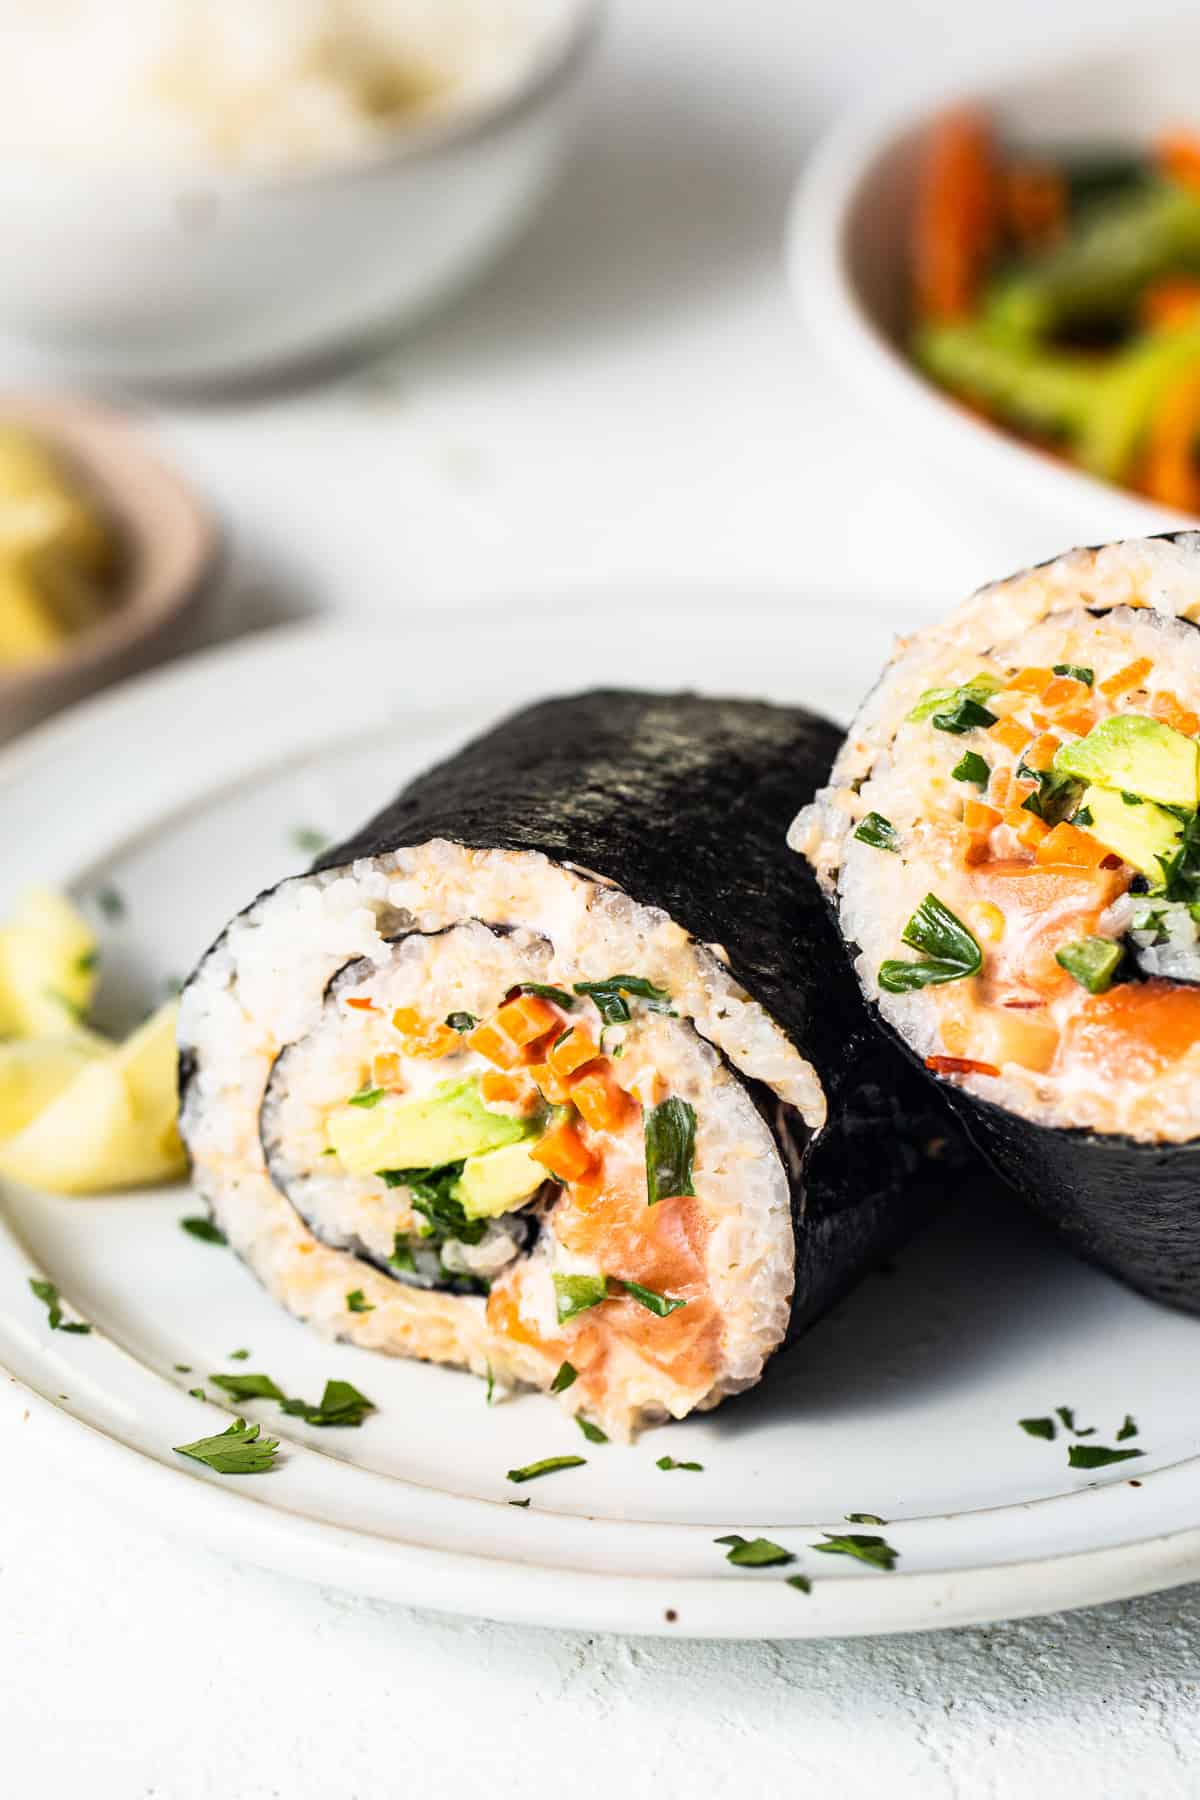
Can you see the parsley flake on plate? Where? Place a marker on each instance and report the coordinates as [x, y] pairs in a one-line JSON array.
[[1129, 1429], [567, 1374], [309, 840], [591, 1432], [800, 1582], [340, 1404], [1097, 1456], [47, 1293], [668, 1462], [1039, 1428], [204, 1229], [875, 1551], [754, 1553], [864, 1519], [547, 1466], [248, 1387]]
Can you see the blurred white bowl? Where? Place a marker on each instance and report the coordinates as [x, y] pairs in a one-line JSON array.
[[144, 276], [848, 242]]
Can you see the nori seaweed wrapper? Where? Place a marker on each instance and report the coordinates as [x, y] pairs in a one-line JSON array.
[[685, 802]]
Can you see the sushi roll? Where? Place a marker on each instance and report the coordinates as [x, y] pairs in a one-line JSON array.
[[1011, 839], [553, 1070]]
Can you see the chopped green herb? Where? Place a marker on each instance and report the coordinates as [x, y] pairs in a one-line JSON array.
[[491, 1386], [111, 903], [1091, 961], [971, 767], [591, 1432], [238, 1355], [402, 1256], [547, 993], [1067, 1415], [610, 996], [311, 842], [668, 1462], [964, 714], [434, 1196], [239, 1450], [1055, 797], [950, 950], [197, 1393], [1084, 816], [879, 832], [754, 1553], [461, 1021], [948, 702], [1096, 1456], [183, 1368], [368, 1096], [73, 1010], [800, 1582], [575, 1293], [47, 1293], [248, 1387], [670, 1137], [87, 962], [357, 1302], [524, 1502], [1087, 676], [567, 1374], [1128, 1430], [864, 1519], [873, 1550], [1132, 799], [661, 1305], [340, 1404], [204, 1229], [1181, 872], [547, 1466], [1039, 1428]]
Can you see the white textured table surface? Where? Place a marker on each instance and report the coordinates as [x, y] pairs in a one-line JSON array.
[[627, 401]]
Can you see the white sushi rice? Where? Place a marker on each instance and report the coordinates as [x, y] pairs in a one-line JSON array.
[[262, 987], [1097, 608]]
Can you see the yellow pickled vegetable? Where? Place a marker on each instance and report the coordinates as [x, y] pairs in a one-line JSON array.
[[58, 552]]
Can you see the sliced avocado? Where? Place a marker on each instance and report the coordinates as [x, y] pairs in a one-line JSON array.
[[444, 1126], [1137, 755], [498, 1181], [1138, 831]]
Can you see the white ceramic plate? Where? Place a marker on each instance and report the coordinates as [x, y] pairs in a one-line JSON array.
[[182, 791]]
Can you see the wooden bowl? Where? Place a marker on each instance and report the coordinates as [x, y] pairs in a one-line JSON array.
[[170, 543]]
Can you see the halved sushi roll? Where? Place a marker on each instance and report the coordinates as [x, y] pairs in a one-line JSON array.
[[553, 1071], [1011, 835]]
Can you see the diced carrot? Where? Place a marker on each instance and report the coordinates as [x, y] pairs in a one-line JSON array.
[[549, 1083], [956, 216], [1168, 470], [1034, 199], [1040, 753], [421, 1036], [1029, 828], [386, 1071], [1038, 720], [649, 1088], [1078, 719], [1131, 676], [494, 1044], [1178, 155], [1011, 733], [362, 1005], [571, 1052], [1031, 680], [563, 1152], [1063, 690], [1170, 303], [1169, 709], [498, 1088], [959, 1065], [1070, 847], [999, 785], [601, 1100], [525, 1018], [979, 818]]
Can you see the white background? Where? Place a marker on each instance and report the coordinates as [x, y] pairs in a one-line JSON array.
[[628, 400]]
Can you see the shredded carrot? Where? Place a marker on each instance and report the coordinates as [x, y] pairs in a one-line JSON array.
[[1078, 719], [363, 1005], [959, 1065], [571, 1052], [1131, 676], [1067, 846], [564, 1153], [1172, 712], [1170, 304], [956, 216], [1169, 470], [1011, 733], [1063, 690], [1031, 680], [602, 1102], [1178, 155], [1034, 198], [525, 1018]]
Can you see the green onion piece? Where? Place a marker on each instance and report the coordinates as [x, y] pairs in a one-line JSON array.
[[935, 700], [368, 1096], [668, 1462], [951, 951], [1039, 1428], [1087, 676], [547, 1466], [1096, 1456], [879, 832], [575, 1293], [402, 1256], [971, 767], [661, 1305], [966, 714], [1091, 961], [670, 1135], [567, 1375], [754, 1553], [546, 993], [873, 1550], [610, 996]]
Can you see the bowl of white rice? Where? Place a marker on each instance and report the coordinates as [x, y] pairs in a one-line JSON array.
[[207, 190]]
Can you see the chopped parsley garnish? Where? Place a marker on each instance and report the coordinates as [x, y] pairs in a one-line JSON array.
[[956, 705], [567, 1375], [197, 1394], [951, 952], [1181, 872], [864, 1519], [1055, 797], [963, 714], [1087, 676], [661, 1305], [610, 996], [1039, 1428], [1091, 961], [547, 993], [491, 1386], [971, 767], [879, 832], [248, 1387], [367, 1096], [87, 962], [1067, 1415], [1129, 1429], [461, 1021], [239, 1450], [524, 1502], [402, 1256], [799, 1582], [47, 1293], [238, 1355], [591, 1432], [754, 1553], [575, 1293], [340, 1404], [310, 841], [670, 1134], [1084, 816], [111, 903], [204, 1229], [668, 1462], [183, 1368], [547, 1466], [873, 1550], [432, 1192], [1097, 1456], [357, 1302]]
